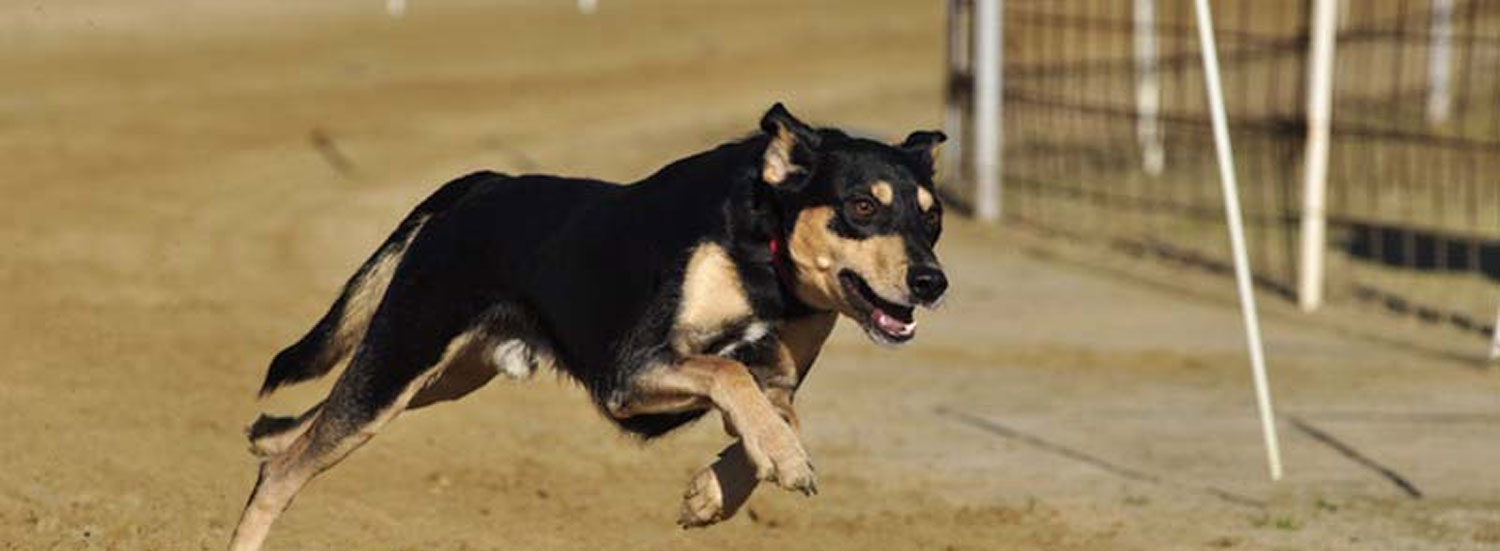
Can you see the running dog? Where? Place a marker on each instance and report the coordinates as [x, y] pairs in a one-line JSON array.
[[710, 285]]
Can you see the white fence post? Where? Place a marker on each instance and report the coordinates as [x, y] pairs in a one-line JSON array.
[[1439, 63], [1236, 223], [1495, 338], [988, 133], [1148, 89], [1315, 159]]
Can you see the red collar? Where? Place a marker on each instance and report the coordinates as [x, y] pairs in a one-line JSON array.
[[779, 263]]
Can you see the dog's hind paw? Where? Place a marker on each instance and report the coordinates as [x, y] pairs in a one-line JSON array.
[[703, 503], [720, 489]]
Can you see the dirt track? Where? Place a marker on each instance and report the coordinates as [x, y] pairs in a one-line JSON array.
[[170, 221]]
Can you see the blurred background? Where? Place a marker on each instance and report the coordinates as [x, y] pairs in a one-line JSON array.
[[1108, 142], [187, 184]]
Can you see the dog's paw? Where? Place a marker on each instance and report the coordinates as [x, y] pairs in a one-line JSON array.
[[703, 502], [781, 459]]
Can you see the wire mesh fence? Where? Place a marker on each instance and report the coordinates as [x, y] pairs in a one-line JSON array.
[[1107, 139]]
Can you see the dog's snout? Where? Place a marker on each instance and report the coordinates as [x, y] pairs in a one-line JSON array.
[[926, 282]]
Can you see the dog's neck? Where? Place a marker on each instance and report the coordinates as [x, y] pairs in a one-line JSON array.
[[786, 278]]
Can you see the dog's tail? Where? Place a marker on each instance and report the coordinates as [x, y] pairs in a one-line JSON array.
[[334, 337]]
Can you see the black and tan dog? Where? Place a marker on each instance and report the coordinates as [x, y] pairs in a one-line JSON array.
[[711, 284]]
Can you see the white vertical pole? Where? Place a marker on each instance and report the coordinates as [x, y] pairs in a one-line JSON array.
[[1237, 234], [1315, 159], [1439, 59], [1495, 338], [988, 61], [396, 9], [1147, 89]]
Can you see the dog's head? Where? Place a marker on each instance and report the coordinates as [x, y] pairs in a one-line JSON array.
[[861, 219]]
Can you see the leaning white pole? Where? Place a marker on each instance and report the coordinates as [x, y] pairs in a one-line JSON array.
[[1237, 233], [1439, 63], [987, 87], [1495, 338], [1315, 159], [1147, 89]]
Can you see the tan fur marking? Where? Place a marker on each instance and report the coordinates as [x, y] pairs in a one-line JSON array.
[[273, 444], [713, 297], [819, 254], [924, 199], [798, 344], [801, 341], [883, 192], [778, 158], [366, 297], [720, 489], [703, 381]]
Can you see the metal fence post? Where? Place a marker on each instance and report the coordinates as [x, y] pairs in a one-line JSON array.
[[1439, 67], [988, 85], [1315, 160], [1148, 89]]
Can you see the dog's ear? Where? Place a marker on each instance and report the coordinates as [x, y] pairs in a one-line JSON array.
[[923, 145], [791, 152]]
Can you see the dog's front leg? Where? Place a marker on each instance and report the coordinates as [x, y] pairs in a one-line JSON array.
[[719, 490], [769, 443]]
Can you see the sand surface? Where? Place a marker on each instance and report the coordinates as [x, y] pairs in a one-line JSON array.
[[170, 220]]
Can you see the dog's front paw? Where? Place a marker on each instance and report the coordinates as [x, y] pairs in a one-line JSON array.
[[782, 459], [703, 502]]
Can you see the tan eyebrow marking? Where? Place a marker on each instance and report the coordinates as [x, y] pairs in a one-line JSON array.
[[884, 192], [924, 198]]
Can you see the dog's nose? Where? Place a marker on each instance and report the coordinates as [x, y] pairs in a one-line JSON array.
[[926, 282]]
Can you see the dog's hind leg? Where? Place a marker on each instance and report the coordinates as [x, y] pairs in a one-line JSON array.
[[719, 490], [372, 392]]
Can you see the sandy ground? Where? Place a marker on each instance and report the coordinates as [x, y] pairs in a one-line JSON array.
[[170, 221]]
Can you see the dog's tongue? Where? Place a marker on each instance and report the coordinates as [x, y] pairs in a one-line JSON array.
[[892, 326]]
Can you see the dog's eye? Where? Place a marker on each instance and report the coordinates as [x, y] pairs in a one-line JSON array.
[[862, 208]]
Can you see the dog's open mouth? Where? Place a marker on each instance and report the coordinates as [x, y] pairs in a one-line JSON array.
[[886, 321]]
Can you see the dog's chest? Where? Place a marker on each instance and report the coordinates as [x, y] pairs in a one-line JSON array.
[[714, 315]]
